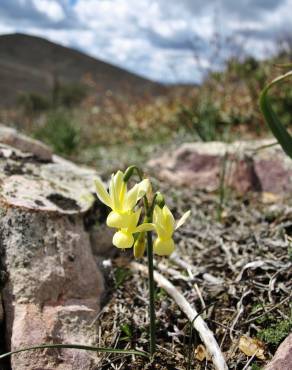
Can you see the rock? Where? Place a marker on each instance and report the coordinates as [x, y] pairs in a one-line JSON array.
[[101, 240], [13, 138], [249, 166], [53, 287], [283, 357]]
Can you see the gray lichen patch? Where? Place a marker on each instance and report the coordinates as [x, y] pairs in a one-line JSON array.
[[56, 186]]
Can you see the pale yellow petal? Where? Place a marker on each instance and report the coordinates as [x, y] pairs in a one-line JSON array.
[[123, 240], [182, 220], [134, 220], [158, 220], [122, 194], [168, 220], [158, 215], [144, 227], [112, 193], [163, 247], [131, 198], [101, 193], [118, 182], [144, 186], [118, 220]]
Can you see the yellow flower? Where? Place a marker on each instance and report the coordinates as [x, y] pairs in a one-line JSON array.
[[121, 201], [165, 226], [124, 237]]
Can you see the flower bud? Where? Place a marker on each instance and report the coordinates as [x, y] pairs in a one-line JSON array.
[[159, 200], [139, 246], [128, 173]]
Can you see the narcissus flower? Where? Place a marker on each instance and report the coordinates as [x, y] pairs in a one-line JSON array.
[[121, 201], [165, 226], [124, 237]]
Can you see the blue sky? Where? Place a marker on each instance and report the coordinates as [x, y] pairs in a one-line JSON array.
[[164, 40]]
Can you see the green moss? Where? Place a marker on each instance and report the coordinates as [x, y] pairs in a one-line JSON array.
[[276, 332], [256, 367]]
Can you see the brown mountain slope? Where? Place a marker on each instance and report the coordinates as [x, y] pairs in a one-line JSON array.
[[32, 64]]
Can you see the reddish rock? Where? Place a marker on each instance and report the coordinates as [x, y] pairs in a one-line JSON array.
[[249, 166], [283, 357]]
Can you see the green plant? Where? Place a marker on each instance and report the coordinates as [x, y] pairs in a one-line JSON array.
[[276, 126], [206, 119], [77, 346], [131, 229], [121, 275], [60, 132], [127, 332], [68, 95], [255, 366], [276, 332], [33, 102]]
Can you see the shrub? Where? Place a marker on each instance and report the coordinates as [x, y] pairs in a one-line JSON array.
[[68, 95], [59, 132], [33, 102], [206, 119]]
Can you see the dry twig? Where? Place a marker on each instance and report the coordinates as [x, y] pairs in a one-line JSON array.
[[199, 324]]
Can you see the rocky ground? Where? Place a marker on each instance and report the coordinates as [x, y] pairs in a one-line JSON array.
[[233, 261], [239, 278]]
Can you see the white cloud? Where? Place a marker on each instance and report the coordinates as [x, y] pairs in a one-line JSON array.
[[51, 8], [166, 40]]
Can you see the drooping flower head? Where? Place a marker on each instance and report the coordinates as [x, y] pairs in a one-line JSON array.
[[165, 226], [121, 201], [124, 237]]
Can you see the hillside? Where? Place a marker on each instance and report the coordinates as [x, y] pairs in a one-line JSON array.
[[32, 64]]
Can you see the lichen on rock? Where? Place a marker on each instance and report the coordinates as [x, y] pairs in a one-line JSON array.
[[53, 286]]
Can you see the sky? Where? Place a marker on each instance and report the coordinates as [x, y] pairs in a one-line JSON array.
[[165, 40]]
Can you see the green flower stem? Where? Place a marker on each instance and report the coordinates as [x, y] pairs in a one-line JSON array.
[[151, 293], [149, 217]]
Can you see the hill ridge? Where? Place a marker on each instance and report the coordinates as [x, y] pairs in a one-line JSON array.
[[32, 63]]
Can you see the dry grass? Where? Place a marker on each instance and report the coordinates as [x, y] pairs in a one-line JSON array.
[[241, 267]]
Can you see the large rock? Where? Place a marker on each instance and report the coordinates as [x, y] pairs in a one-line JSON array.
[[53, 287], [249, 166], [10, 136]]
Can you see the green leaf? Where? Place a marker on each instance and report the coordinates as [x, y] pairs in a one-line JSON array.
[[121, 275], [78, 346], [277, 128]]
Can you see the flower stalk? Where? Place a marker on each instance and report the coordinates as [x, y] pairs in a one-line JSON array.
[[130, 231], [151, 284]]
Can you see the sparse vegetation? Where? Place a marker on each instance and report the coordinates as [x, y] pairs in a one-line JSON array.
[[276, 332], [224, 107], [60, 132], [111, 133]]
